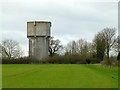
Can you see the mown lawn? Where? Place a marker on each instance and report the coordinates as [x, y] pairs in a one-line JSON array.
[[58, 76]]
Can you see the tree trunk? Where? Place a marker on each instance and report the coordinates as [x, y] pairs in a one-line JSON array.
[[108, 54], [118, 57]]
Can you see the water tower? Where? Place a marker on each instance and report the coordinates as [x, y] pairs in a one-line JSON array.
[[38, 33]]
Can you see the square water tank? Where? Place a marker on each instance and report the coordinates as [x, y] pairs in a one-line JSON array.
[[38, 28]]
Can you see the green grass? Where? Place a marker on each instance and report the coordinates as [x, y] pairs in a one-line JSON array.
[[59, 76]]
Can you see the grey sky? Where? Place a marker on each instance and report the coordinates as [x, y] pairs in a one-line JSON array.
[[71, 19]]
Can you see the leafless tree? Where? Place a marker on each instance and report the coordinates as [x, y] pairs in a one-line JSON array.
[[104, 41], [91, 51], [71, 47], [99, 43], [11, 49], [109, 35], [79, 47], [82, 47], [116, 47], [54, 46]]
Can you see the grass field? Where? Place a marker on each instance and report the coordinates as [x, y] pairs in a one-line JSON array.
[[58, 76]]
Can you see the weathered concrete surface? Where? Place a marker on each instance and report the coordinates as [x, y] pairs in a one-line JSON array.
[[38, 34], [38, 28]]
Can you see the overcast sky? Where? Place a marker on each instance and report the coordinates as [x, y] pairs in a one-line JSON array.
[[71, 19]]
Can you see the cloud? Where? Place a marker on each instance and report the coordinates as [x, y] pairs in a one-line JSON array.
[[71, 19]]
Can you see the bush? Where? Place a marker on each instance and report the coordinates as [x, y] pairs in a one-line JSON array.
[[25, 60], [69, 59], [65, 59], [110, 62]]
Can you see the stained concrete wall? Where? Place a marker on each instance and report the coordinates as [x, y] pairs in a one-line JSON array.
[[38, 34], [38, 28]]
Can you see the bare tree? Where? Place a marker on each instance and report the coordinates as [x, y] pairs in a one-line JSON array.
[[109, 35], [54, 46], [79, 47], [116, 47], [82, 47], [104, 42], [11, 49], [99, 43], [91, 51], [71, 47]]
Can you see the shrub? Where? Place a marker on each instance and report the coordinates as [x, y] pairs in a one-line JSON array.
[[57, 59], [68, 59], [110, 62], [24, 60]]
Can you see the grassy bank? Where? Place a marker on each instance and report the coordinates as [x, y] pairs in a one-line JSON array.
[[59, 76]]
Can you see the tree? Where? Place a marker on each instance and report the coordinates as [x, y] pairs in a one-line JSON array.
[[104, 42], [91, 51], [79, 47], [11, 49], [71, 48], [109, 35], [99, 43], [118, 41], [54, 46], [117, 47], [82, 47], [118, 57]]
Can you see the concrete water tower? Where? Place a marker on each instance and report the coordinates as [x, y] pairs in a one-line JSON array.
[[38, 33]]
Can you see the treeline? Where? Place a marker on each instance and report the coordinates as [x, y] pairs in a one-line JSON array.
[[104, 48]]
